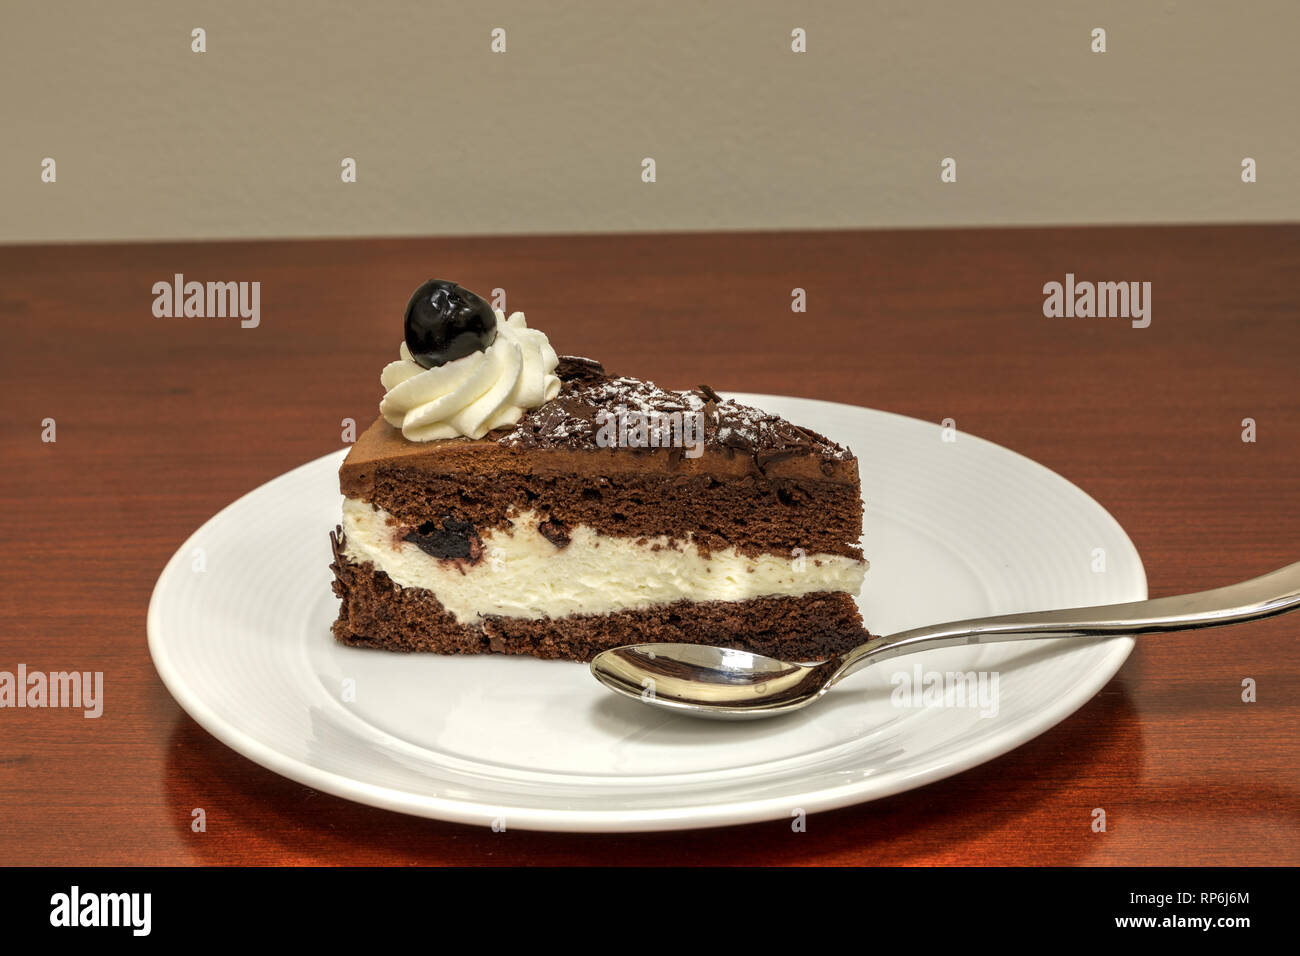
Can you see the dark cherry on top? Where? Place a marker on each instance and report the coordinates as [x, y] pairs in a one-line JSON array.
[[445, 322]]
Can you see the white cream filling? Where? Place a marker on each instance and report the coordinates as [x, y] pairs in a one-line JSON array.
[[522, 574]]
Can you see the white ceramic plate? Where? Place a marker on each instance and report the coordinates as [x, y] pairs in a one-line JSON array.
[[954, 529]]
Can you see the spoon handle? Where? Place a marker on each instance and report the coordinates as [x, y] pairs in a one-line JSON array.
[[1272, 593]]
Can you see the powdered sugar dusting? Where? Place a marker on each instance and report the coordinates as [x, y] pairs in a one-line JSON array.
[[570, 419]]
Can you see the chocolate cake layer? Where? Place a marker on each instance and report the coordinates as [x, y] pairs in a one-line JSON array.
[[758, 483], [754, 514], [377, 613]]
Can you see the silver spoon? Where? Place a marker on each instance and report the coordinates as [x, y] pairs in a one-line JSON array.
[[717, 682]]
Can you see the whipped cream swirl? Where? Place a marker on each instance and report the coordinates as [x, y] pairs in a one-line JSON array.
[[474, 394]]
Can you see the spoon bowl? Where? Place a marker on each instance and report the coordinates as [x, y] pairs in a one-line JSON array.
[[715, 682]]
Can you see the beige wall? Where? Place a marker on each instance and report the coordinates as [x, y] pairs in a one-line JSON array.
[[151, 140]]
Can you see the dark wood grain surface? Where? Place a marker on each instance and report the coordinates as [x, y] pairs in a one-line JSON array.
[[161, 422]]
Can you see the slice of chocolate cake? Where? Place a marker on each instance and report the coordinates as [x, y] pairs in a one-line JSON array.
[[508, 500]]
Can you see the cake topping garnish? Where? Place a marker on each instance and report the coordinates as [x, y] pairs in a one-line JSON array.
[[573, 420], [445, 322], [461, 375]]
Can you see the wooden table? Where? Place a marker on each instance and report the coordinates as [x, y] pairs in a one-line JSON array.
[[161, 422]]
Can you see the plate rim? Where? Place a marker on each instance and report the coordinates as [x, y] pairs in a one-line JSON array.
[[732, 813]]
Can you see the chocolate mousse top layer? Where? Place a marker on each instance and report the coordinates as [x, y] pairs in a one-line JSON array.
[[565, 435]]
